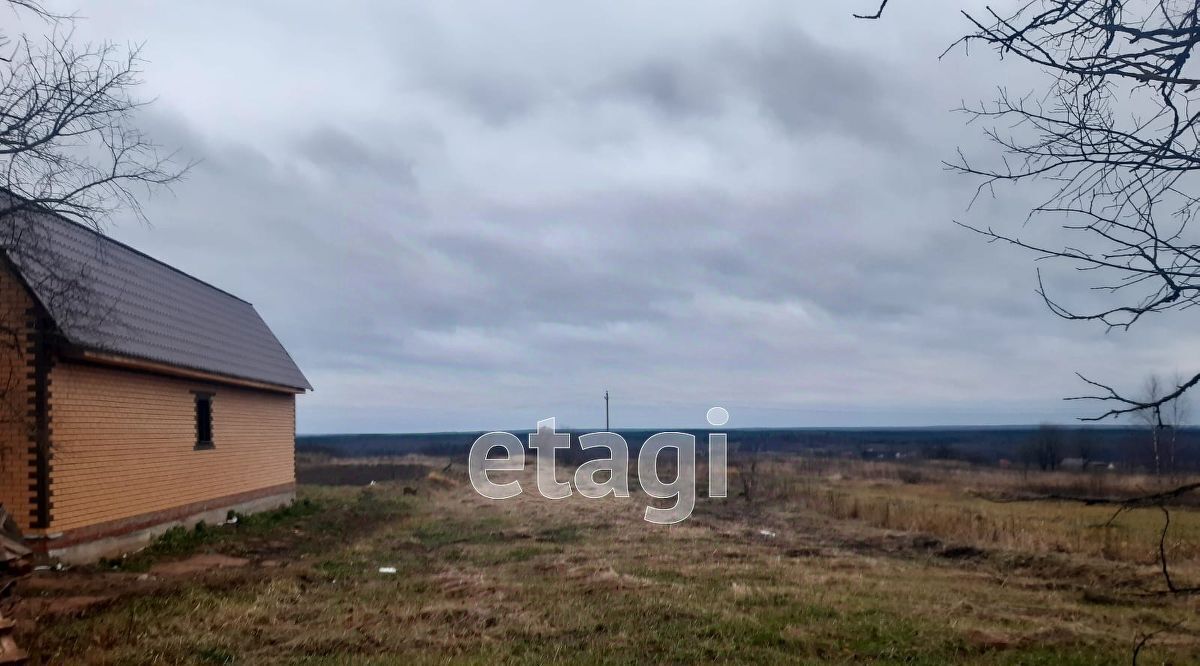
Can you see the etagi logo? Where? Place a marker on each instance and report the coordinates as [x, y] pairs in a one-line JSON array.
[[546, 442]]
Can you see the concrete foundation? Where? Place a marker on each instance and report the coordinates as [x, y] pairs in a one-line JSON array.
[[117, 544]]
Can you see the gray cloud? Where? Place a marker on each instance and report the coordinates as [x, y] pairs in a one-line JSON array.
[[474, 217], [340, 153]]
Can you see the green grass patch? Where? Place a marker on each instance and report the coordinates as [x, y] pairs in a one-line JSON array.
[[309, 524]]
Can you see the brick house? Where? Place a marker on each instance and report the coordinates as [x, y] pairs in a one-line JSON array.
[[133, 397]]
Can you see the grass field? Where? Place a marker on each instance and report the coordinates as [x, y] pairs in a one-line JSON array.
[[837, 562], [960, 503]]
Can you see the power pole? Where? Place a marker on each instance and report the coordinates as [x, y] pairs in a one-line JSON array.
[[606, 410]]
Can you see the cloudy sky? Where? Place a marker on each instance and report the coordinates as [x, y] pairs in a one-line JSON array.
[[475, 215]]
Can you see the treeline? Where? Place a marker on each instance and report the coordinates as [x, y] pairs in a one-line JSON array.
[[1045, 447], [1161, 450]]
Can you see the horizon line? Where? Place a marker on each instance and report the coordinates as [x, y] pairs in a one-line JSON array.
[[1026, 426]]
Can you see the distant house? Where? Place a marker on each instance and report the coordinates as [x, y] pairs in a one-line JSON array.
[[134, 396], [1072, 464], [1079, 464]]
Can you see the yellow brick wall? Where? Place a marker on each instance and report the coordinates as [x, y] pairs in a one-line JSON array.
[[16, 389], [124, 443]]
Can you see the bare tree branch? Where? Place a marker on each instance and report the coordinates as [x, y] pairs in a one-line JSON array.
[[1146, 638], [1115, 134], [1160, 499], [878, 12], [69, 146]]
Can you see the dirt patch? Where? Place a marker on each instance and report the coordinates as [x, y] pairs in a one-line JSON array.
[[990, 640], [49, 607], [71, 582], [925, 542], [962, 553], [359, 475], [198, 564]]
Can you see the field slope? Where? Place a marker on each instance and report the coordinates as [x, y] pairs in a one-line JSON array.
[[535, 581]]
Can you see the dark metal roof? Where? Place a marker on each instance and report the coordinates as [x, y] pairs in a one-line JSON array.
[[105, 296]]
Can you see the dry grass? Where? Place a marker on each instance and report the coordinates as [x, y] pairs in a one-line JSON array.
[[536, 581], [955, 503]]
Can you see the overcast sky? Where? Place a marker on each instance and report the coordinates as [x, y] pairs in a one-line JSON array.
[[476, 215]]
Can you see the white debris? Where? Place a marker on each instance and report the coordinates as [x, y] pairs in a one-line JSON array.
[[767, 533], [387, 570]]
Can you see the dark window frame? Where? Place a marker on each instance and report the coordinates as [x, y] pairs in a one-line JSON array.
[[204, 412]]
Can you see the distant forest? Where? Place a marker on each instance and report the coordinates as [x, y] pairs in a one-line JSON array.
[[1044, 447]]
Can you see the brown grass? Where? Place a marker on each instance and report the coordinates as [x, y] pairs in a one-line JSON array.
[[582, 581], [954, 503]]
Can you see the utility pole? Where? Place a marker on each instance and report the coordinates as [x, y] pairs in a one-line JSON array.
[[606, 410]]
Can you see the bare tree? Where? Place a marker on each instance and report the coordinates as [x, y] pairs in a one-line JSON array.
[[1115, 134], [69, 146], [1112, 138], [745, 459], [1152, 418], [1044, 449], [1083, 445], [1178, 416], [1163, 422], [68, 143]]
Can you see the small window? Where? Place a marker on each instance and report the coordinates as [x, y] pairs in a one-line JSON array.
[[204, 438]]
